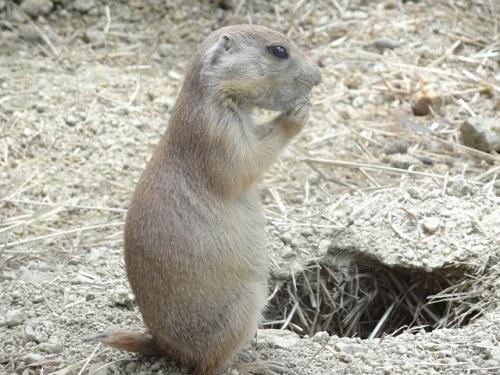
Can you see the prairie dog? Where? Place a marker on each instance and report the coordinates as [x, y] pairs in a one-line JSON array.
[[195, 248]]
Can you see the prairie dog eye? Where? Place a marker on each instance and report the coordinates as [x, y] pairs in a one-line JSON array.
[[278, 51]]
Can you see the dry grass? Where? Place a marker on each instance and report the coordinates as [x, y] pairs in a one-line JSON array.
[[363, 298]]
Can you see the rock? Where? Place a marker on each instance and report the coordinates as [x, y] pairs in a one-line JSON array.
[[277, 338], [83, 6], [155, 367], [287, 252], [131, 367], [457, 187], [96, 37], [321, 337], [401, 161], [323, 247], [424, 99], [165, 49], [123, 298], [98, 368], [165, 102], [307, 232], [29, 334], [495, 354], [2, 5], [383, 43], [481, 133], [344, 348], [174, 75], [33, 358], [35, 8], [421, 106], [396, 147], [28, 33], [358, 102], [415, 193], [226, 4], [96, 254], [490, 363], [50, 347], [71, 120], [425, 159], [286, 238], [430, 225], [14, 318]]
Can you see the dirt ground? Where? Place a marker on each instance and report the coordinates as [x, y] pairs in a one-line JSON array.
[[85, 93]]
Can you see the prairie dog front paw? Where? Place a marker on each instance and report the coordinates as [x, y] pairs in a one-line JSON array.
[[294, 119]]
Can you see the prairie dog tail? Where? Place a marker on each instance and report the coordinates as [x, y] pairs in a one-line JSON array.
[[132, 342]]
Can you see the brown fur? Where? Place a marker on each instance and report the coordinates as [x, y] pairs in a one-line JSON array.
[[194, 236]]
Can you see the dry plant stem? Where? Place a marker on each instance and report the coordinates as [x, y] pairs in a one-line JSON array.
[[348, 164], [42, 35], [62, 233]]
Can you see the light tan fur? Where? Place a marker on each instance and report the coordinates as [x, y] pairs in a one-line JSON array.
[[195, 248]]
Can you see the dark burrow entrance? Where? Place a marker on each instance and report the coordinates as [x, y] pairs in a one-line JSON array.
[[364, 298]]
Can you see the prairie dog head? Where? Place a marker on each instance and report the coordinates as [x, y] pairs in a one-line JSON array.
[[256, 66]]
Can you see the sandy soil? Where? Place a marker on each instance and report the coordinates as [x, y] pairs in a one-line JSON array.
[[85, 94]]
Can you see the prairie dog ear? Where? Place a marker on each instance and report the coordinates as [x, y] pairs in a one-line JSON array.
[[225, 42], [224, 45]]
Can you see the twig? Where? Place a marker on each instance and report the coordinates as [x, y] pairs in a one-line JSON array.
[[52, 235], [108, 19], [348, 164]]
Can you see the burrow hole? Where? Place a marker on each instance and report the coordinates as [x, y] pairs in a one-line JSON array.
[[359, 297]]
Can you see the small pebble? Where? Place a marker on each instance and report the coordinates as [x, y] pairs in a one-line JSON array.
[[287, 252], [95, 37], [98, 368], [71, 120], [321, 337], [131, 367], [33, 358], [495, 354], [481, 133], [344, 348], [37, 298], [415, 193], [490, 363], [123, 298], [383, 43], [29, 33], [323, 247], [424, 159], [84, 6], [307, 232], [50, 347], [421, 107], [35, 8], [275, 338], [358, 102], [286, 238], [155, 367], [430, 225], [14, 318], [401, 161], [396, 147]]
